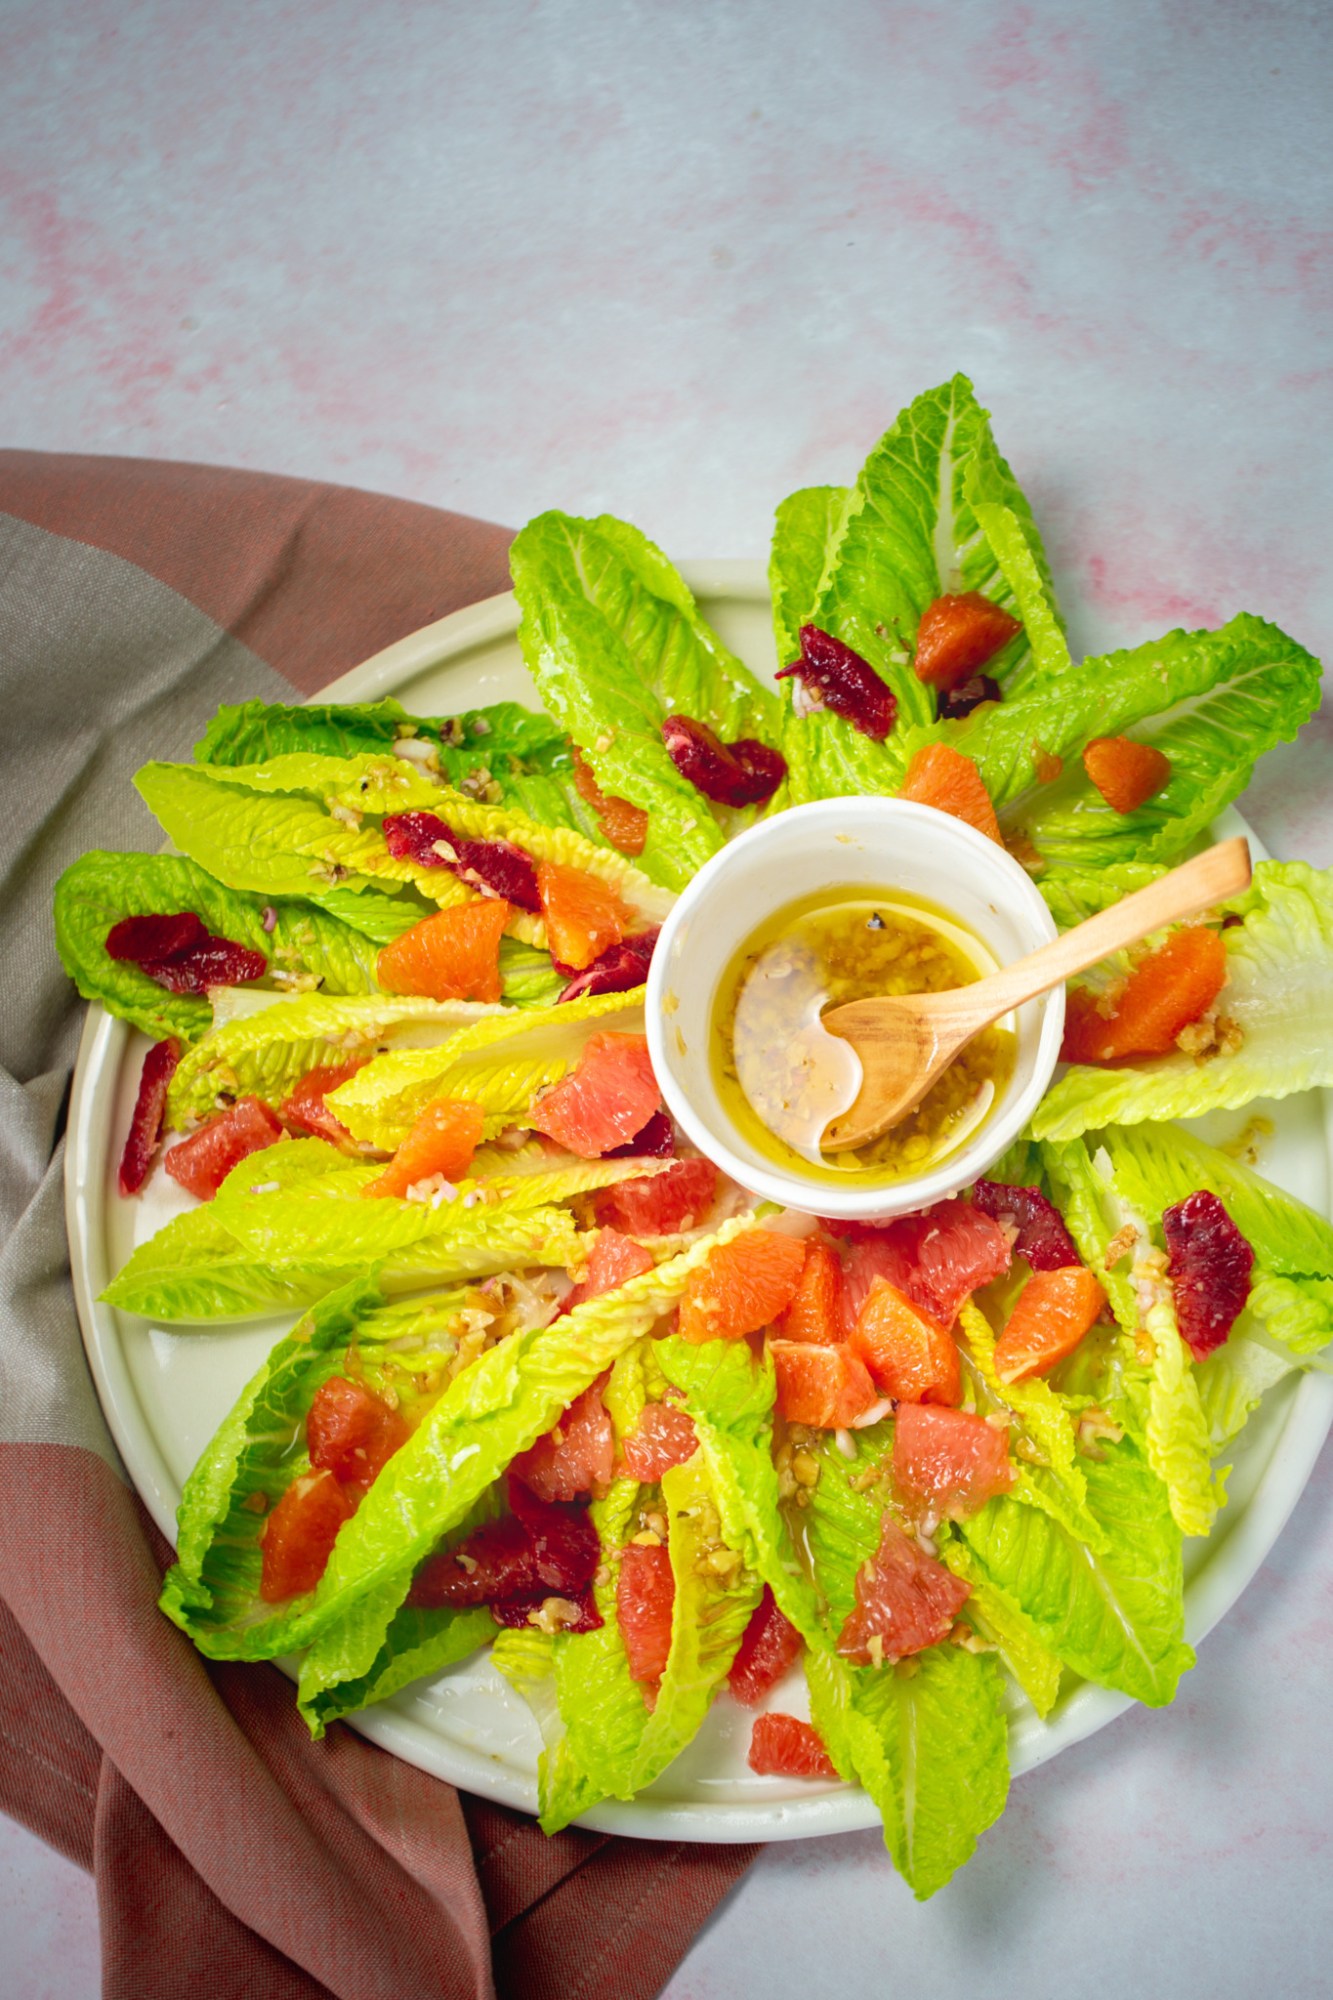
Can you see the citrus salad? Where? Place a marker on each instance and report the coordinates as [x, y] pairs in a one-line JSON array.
[[559, 1388]]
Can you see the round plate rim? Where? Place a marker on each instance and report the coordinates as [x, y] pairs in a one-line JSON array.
[[845, 1809]]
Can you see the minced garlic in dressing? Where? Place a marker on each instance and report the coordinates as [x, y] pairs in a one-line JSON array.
[[782, 1076]]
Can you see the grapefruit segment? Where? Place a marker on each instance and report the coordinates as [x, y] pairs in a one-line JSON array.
[[826, 1387], [625, 825], [607, 1097], [943, 777], [1050, 1317], [938, 1258], [958, 634], [664, 1436], [454, 955], [202, 1162], [645, 1599], [299, 1534], [612, 1262], [305, 1108], [678, 1198], [742, 1286], [781, 1746], [1127, 774], [351, 1432], [951, 1459], [576, 1456], [1166, 992], [905, 1601], [770, 1645], [442, 1142], [584, 915], [910, 1356]]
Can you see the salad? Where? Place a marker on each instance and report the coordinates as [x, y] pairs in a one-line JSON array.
[[554, 1385]]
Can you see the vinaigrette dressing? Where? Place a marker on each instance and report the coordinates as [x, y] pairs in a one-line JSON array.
[[782, 1076]]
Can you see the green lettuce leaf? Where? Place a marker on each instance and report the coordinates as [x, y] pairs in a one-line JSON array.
[[97, 890], [1279, 995], [805, 534], [1117, 1615], [1073, 893], [998, 1619], [614, 641]]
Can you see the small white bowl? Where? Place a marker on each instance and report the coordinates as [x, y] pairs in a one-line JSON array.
[[839, 844]]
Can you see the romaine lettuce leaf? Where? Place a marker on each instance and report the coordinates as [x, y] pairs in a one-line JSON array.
[[1279, 995], [1073, 893], [98, 889], [1021, 1652], [805, 534], [1115, 1616], [614, 641]]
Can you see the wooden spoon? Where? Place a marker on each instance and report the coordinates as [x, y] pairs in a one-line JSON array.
[[906, 1041]]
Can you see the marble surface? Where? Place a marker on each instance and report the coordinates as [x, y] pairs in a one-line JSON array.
[[673, 262]]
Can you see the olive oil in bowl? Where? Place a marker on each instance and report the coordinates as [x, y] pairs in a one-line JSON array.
[[782, 1076]]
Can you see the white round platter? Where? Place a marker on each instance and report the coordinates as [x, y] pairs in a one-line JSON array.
[[165, 1390]]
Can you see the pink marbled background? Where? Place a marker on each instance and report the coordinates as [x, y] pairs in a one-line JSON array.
[[673, 261]]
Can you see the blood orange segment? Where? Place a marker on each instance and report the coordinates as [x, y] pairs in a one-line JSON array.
[[537, 1550], [1050, 1317], [612, 1261], [625, 825], [351, 1432], [815, 1312], [1165, 993], [584, 915], [664, 1436], [1127, 774], [576, 1456], [905, 1601], [645, 1600], [826, 1387], [305, 1107], [742, 1286], [781, 1746], [910, 1356], [607, 1097], [770, 1646], [454, 955], [943, 777], [299, 1535], [938, 1258], [1210, 1264], [141, 1141], [958, 635], [442, 1142], [678, 1198], [202, 1162], [951, 1459], [1042, 1239]]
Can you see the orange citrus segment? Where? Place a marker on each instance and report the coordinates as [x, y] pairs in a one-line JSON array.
[[1053, 1312], [442, 1141], [742, 1287], [943, 777], [625, 825], [584, 915], [815, 1312], [911, 1357], [1126, 774], [957, 636], [1165, 992], [454, 955], [828, 1387]]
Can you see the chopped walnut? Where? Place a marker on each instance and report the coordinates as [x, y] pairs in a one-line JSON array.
[[1120, 1245]]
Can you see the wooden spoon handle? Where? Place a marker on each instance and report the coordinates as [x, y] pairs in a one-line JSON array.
[[1195, 886]]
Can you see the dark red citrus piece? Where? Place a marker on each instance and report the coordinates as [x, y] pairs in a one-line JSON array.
[[1209, 1265], [645, 1600], [299, 1534], [351, 1432], [905, 1601], [958, 634], [742, 774], [497, 867], [657, 1141], [625, 825], [538, 1551], [838, 679], [770, 1646], [1166, 992], [956, 702], [677, 1198], [141, 1142], [305, 1107], [576, 1457], [607, 1097], [619, 969], [951, 1459], [664, 1436], [202, 1162], [1127, 774], [781, 1746], [1042, 1239], [137, 940], [214, 962]]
